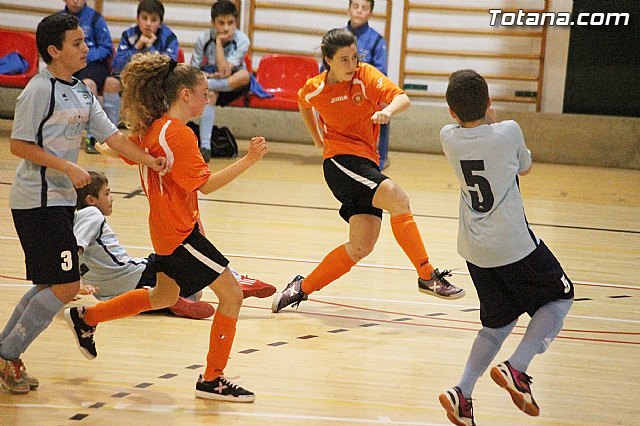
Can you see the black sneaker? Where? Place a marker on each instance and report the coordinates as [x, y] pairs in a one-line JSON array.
[[222, 389], [206, 154], [291, 295], [82, 331], [438, 286]]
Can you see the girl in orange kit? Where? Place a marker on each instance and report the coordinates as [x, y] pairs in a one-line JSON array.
[[353, 99], [159, 97]]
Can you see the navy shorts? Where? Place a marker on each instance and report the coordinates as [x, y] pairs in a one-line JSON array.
[[508, 291], [194, 265], [353, 181], [96, 71], [149, 277], [49, 245]]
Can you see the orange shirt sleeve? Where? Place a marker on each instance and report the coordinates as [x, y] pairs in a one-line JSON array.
[[384, 90], [189, 170], [310, 86]]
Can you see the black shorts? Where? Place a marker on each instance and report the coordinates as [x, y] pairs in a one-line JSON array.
[[506, 292], [225, 98], [49, 245], [96, 71], [195, 264], [149, 276], [353, 181]]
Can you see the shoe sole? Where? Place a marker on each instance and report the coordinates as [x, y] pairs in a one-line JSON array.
[[446, 404], [260, 293], [14, 390], [276, 301], [69, 321], [453, 297], [516, 396], [212, 396]]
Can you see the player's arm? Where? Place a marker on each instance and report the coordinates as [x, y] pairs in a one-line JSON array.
[[399, 103], [34, 153], [257, 150], [133, 152], [311, 123]]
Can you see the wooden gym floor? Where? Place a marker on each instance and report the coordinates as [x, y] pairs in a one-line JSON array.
[[367, 350]]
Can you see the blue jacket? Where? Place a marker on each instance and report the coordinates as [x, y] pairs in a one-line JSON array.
[[96, 34], [166, 42], [372, 47]]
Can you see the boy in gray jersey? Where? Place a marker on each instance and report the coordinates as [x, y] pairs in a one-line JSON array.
[[108, 270], [50, 115], [513, 271]]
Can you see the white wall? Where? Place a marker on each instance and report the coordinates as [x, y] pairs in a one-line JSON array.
[[556, 50]]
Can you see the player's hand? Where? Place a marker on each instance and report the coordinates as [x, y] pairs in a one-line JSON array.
[[160, 165], [79, 177], [87, 289], [381, 117], [257, 149]]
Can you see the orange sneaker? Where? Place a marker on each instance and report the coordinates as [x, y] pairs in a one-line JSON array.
[[252, 287], [188, 309]]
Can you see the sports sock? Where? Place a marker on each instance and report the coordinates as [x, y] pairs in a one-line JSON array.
[[485, 348], [406, 232], [223, 331], [17, 312], [206, 126], [544, 326], [34, 320], [126, 305], [111, 106], [219, 85], [333, 266]]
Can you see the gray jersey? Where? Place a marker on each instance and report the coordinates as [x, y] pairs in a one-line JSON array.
[[104, 263], [493, 230], [52, 114]]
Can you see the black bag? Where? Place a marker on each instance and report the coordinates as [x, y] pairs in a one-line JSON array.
[[223, 143]]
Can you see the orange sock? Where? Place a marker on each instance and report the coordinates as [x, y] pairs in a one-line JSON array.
[[405, 230], [333, 266], [223, 330], [126, 305]]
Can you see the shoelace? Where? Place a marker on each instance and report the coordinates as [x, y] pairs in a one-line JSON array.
[[526, 379], [16, 368], [440, 277], [229, 383]]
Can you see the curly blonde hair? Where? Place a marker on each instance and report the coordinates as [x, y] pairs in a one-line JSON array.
[[151, 83]]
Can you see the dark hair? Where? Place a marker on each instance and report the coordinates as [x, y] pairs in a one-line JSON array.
[[370, 1], [468, 95], [333, 41], [98, 180], [151, 83], [52, 32], [151, 6], [223, 8]]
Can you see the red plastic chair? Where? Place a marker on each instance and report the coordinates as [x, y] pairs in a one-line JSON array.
[[25, 44], [283, 76], [180, 56]]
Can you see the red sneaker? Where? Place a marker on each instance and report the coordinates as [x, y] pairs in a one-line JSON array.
[[252, 287], [188, 309]]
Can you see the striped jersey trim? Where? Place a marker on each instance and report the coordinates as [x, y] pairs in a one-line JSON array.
[[204, 259]]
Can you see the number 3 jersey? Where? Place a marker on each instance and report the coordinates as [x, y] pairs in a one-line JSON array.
[[492, 230]]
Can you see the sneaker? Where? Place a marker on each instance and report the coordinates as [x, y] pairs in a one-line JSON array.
[[459, 409], [32, 381], [252, 287], [518, 384], [189, 309], [90, 145], [11, 377], [206, 154], [438, 286], [291, 295], [82, 332], [222, 389]]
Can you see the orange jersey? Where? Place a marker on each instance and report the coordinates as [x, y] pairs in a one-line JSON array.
[[173, 198], [346, 108]]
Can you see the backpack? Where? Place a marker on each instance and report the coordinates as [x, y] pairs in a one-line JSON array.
[[223, 143]]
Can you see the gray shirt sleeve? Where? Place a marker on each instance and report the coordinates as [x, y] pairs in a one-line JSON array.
[[31, 107]]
